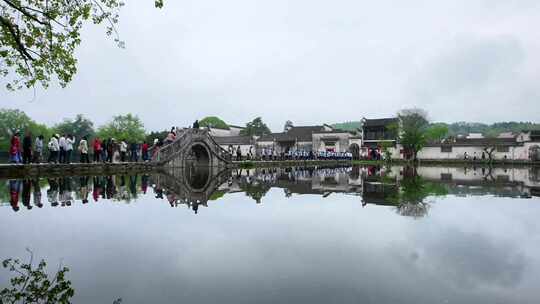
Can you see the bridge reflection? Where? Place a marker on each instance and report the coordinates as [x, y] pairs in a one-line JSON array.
[[409, 190]]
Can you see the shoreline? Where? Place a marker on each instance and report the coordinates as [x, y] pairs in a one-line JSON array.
[[76, 169]]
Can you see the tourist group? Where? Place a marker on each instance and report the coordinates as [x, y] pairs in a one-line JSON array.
[[60, 149]]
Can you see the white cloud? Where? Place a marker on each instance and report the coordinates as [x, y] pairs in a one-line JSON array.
[[308, 61]]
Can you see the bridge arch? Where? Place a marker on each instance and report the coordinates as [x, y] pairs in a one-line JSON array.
[[193, 147], [198, 154]]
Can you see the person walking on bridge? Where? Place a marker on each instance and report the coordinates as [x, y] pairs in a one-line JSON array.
[[110, 149], [196, 124], [62, 145], [134, 150], [97, 149], [70, 140], [123, 150], [144, 150], [27, 148], [170, 138], [83, 149], [15, 149], [38, 149], [238, 154], [54, 147]]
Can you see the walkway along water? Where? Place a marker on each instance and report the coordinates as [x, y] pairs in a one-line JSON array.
[[192, 148]]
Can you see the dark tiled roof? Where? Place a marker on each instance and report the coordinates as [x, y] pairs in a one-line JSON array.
[[236, 127], [380, 122], [271, 137], [303, 133], [234, 140], [335, 131]]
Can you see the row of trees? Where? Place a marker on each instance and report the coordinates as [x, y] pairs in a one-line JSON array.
[[128, 127], [256, 127]]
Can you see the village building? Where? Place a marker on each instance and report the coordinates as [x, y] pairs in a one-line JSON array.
[[378, 137], [302, 138], [524, 146], [322, 138], [377, 133]]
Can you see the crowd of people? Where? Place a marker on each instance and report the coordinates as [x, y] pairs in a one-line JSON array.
[[65, 148], [63, 191], [270, 154], [61, 149]]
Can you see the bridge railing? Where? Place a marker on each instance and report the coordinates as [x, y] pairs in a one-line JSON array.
[[166, 152], [219, 151]]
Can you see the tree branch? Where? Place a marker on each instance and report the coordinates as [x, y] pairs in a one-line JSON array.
[[24, 12], [15, 33]]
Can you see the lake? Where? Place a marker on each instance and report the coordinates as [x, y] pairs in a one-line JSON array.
[[284, 235]]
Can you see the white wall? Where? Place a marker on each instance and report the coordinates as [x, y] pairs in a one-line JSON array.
[[514, 153]]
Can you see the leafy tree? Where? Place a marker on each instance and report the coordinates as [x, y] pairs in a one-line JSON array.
[[413, 125], [31, 284], [288, 126], [128, 127], [489, 147], [78, 127], [385, 147], [213, 122], [437, 132], [256, 127], [38, 39], [12, 121], [411, 199], [255, 190], [156, 134]]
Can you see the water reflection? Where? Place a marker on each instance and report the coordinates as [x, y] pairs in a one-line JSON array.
[[409, 190], [282, 235]]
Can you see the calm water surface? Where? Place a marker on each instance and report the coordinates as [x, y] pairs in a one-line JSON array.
[[331, 235]]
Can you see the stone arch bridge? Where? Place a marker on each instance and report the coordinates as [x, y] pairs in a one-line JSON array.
[[192, 147], [192, 186]]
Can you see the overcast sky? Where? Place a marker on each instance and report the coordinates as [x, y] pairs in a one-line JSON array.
[[308, 61]]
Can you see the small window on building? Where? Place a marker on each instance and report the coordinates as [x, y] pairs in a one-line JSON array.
[[503, 149], [446, 176], [503, 178], [446, 149]]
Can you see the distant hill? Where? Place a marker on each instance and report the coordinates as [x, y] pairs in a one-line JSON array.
[[490, 129], [464, 127]]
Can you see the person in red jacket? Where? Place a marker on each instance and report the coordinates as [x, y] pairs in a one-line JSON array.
[[97, 149], [144, 149], [15, 149]]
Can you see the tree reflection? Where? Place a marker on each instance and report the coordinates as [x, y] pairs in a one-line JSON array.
[[411, 199], [255, 190]]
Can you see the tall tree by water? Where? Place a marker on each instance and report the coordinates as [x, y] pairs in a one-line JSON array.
[[38, 39], [78, 127], [437, 132], [213, 122], [413, 124], [128, 127], [256, 127]]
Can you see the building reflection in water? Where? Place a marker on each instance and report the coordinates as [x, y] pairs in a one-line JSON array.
[[409, 190]]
